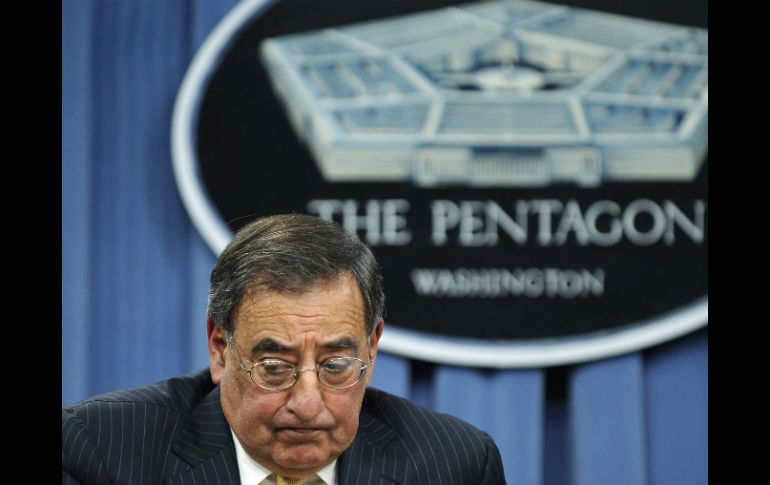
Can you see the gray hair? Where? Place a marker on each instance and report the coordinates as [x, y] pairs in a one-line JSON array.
[[290, 254]]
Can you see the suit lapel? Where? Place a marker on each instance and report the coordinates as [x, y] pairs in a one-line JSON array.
[[205, 445], [370, 459]]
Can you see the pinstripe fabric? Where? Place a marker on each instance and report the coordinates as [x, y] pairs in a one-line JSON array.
[[400, 442], [170, 432], [174, 432]]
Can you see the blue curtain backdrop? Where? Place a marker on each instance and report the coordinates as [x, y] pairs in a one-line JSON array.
[[135, 273]]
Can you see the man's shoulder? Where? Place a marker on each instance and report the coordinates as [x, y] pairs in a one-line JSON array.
[[177, 394], [422, 443], [127, 436], [410, 419]]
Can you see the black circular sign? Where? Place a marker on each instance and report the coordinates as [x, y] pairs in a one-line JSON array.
[[484, 257]]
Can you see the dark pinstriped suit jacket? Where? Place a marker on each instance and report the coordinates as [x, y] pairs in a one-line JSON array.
[[174, 432]]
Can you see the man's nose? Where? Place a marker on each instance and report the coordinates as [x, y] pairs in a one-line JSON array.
[[305, 400]]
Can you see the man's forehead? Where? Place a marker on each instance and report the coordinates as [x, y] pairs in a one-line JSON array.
[[334, 306], [345, 283], [303, 305]]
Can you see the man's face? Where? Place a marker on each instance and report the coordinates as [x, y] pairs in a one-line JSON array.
[[298, 431]]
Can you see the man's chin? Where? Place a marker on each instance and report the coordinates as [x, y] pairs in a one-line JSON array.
[[300, 458]]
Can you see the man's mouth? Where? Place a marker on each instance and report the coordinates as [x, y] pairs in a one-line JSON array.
[[299, 433]]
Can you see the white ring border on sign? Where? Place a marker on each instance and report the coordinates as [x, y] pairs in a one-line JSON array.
[[547, 352], [407, 343], [185, 118]]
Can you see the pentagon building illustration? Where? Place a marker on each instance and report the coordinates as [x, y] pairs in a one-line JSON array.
[[501, 94]]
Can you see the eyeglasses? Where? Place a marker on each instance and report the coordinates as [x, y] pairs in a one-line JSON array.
[[278, 375]]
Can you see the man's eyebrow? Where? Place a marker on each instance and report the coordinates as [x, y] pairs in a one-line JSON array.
[[344, 343], [268, 345]]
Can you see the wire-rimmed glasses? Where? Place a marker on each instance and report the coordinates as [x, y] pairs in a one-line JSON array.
[[278, 375]]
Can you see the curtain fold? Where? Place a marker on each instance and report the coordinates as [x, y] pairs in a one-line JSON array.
[[676, 380], [76, 190], [606, 406], [508, 404]]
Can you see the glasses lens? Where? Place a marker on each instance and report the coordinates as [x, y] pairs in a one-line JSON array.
[[336, 373], [273, 374], [341, 372]]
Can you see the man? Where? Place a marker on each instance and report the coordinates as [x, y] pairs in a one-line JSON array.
[[294, 321]]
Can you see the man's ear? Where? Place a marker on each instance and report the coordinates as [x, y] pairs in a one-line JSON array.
[[374, 340], [217, 344]]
